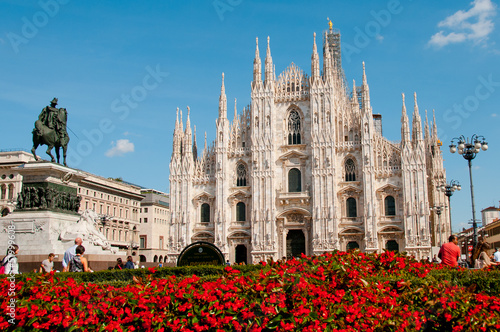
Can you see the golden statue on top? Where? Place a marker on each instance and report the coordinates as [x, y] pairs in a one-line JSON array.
[[330, 24]]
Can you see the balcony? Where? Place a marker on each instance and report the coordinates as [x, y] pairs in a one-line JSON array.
[[294, 198]]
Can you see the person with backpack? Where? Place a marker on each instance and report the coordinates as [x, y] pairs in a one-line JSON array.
[[9, 262], [79, 263]]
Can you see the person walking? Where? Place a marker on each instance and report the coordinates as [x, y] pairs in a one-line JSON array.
[[450, 252], [79, 263], [9, 262], [70, 253], [48, 264]]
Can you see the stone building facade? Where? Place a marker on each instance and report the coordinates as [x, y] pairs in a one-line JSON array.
[[305, 169]]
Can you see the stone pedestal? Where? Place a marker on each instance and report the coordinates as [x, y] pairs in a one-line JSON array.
[[46, 219]]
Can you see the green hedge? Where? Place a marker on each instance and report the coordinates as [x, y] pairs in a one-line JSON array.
[[479, 281], [125, 276]]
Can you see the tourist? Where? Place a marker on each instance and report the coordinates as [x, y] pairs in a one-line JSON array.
[[119, 264], [9, 262], [136, 265], [48, 264], [435, 259], [484, 261], [70, 253], [450, 252], [227, 263], [129, 264], [496, 256], [476, 251], [79, 263]]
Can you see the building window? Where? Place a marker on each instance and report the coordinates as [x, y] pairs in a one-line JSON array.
[[145, 220], [241, 175], [205, 212], [4, 191], [11, 191], [294, 128], [142, 242], [390, 206], [351, 207], [240, 212], [350, 170], [294, 181], [145, 210], [161, 242], [114, 233]]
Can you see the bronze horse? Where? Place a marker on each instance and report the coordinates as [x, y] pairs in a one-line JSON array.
[[58, 137]]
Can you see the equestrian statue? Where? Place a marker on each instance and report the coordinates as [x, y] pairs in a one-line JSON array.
[[50, 130]]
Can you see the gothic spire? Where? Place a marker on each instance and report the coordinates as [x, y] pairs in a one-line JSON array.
[[257, 65], [416, 122], [177, 139], [434, 126], [205, 149], [426, 127], [327, 60], [235, 111], [222, 101], [315, 61], [195, 146], [188, 134], [355, 95], [269, 64], [405, 124], [365, 92], [364, 75]]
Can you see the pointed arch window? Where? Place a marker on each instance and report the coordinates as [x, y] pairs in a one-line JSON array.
[[294, 128], [240, 211], [390, 206], [241, 175], [350, 170], [294, 181], [351, 208], [205, 213]]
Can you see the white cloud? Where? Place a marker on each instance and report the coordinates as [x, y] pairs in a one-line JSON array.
[[119, 148], [474, 25], [494, 115], [380, 38]]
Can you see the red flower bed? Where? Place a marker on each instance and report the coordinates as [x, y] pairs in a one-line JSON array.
[[339, 292]]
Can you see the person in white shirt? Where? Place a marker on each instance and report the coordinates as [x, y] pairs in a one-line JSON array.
[[496, 256], [70, 253]]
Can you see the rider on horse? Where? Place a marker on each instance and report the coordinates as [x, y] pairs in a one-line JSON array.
[[50, 130], [49, 117]]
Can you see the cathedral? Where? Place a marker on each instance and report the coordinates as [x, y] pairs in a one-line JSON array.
[[305, 169]]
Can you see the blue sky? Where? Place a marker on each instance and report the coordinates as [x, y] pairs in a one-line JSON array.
[[95, 55]]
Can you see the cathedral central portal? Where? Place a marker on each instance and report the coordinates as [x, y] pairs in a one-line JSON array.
[[295, 243]]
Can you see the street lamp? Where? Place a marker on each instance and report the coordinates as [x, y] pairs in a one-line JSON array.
[[438, 210], [448, 189], [469, 148]]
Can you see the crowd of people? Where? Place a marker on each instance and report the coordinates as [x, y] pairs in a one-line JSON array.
[[481, 258], [74, 260]]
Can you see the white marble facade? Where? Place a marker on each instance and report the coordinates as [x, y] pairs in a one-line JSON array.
[[305, 168]]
